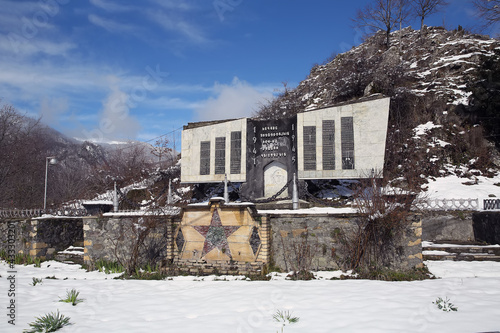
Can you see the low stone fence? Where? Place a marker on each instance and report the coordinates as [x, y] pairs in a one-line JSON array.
[[462, 226], [318, 238], [42, 237], [207, 238], [453, 226], [126, 239], [203, 239]]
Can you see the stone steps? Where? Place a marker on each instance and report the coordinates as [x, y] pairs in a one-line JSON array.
[[72, 255], [461, 252]]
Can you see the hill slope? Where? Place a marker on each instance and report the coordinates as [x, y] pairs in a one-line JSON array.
[[445, 80]]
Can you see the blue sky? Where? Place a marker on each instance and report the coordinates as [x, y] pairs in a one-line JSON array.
[[117, 70]]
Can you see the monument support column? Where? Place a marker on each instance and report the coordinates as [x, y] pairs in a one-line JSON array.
[[226, 194], [265, 234], [170, 239], [295, 194]]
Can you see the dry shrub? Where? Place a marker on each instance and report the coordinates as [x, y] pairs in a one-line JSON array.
[[382, 221], [299, 252], [139, 242]]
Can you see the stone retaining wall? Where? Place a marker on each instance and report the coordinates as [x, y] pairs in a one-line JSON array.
[[43, 237], [454, 226], [226, 239], [317, 240], [19, 230], [114, 239]]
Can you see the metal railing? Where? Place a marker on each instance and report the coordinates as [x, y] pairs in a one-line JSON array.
[[491, 204], [449, 204], [32, 213]]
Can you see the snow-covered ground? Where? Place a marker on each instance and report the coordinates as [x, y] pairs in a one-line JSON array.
[[451, 187], [233, 304], [455, 187], [189, 304]]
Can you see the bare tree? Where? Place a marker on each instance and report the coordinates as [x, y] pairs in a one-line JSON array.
[[383, 15], [125, 165], [425, 8], [162, 150], [488, 11], [22, 159], [382, 223]]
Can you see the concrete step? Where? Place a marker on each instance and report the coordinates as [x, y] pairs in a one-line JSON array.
[[457, 252], [72, 255]]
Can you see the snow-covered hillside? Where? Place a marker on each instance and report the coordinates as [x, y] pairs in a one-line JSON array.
[[443, 119], [436, 62]]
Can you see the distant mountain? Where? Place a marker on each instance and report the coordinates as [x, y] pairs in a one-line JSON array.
[[85, 169]]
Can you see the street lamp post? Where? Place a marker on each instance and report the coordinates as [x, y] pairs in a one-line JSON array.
[[52, 160]]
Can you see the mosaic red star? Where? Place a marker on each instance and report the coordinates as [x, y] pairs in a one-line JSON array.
[[216, 234]]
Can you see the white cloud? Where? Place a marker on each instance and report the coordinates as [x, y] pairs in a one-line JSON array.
[[236, 100], [172, 103], [35, 80], [176, 24], [109, 25], [173, 4], [110, 6], [52, 110], [115, 119], [16, 44]]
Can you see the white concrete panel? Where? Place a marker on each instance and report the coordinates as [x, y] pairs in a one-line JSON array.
[[191, 139], [370, 121]]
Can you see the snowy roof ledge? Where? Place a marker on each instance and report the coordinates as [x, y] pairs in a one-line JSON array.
[[222, 201], [57, 217], [97, 202], [170, 211], [325, 211]]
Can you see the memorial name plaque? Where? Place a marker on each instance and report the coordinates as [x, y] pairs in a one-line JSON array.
[[328, 144], [236, 152], [347, 136], [220, 155], [309, 147], [205, 158], [272, 156]]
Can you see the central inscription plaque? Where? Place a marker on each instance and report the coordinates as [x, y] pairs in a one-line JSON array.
[[271, 157]]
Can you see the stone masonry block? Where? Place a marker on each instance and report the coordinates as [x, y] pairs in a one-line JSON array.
[[38, 245], [417, 242], [298, 232]]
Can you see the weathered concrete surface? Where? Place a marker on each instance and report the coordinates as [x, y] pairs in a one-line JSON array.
[[316, 242], [448, 226]]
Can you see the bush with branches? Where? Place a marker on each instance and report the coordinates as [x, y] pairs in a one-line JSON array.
[[383, 220]]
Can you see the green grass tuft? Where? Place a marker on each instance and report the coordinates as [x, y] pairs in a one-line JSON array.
[[72, 297], [445, 305], [284, 318], [109, 267], [36, 281], [48, 323]]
